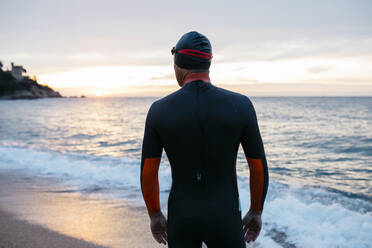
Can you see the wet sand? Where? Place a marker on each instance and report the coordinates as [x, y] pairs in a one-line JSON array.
[[36, 212], [18, 233]]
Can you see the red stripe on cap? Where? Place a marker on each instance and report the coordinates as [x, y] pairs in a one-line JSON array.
[[196, 53]]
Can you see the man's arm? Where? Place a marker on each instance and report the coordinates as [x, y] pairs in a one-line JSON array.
[[150, 161], [259, 178]]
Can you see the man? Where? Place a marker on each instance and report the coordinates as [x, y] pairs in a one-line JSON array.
[[200, 127]]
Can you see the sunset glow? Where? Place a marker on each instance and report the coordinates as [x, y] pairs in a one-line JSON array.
[[115, 80], [99, 93], [119, 45]]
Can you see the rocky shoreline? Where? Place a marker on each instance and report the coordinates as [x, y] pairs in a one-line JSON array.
[[34, 91], [12, 88]]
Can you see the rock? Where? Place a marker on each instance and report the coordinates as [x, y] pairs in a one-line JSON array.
[[10, 88]]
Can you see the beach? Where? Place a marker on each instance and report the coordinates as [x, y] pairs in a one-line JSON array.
[[32, 214]]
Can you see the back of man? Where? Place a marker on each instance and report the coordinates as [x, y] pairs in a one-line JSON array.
[[200, 127]]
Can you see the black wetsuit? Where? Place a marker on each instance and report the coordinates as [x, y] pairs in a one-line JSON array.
[[200, 127]]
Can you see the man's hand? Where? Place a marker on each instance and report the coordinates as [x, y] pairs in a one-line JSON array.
[[159, 227], [252, 224]]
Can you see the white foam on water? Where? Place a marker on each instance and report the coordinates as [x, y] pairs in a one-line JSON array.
[[318, 225], [293, 216], [81, 172]]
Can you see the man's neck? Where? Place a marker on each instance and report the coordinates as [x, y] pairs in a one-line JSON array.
[[195, 76]]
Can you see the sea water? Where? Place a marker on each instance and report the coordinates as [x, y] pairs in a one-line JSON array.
[[319, 152]]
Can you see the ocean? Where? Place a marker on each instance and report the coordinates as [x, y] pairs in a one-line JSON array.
[[319, 152]]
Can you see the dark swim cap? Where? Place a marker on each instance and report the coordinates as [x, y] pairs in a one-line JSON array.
[[193, 51]]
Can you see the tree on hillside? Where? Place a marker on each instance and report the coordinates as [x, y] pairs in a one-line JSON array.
[[1, 66], [35, 78]]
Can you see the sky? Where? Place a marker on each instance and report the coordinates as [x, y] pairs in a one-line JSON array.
[[260, 48]]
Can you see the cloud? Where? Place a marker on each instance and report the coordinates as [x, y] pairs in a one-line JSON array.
[[300, 89], [247, 80], [319, 69], [167, 77], [282, 50]]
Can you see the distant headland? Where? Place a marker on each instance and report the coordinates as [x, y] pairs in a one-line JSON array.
[[15, 85]]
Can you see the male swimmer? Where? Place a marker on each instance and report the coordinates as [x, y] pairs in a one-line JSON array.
[[200, 127]]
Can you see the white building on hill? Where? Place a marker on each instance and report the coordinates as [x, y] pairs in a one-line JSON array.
[[17, 71]]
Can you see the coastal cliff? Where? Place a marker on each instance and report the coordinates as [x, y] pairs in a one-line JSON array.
[[12, 87]]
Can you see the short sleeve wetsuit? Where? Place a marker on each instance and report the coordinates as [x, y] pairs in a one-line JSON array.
[[200, 127]]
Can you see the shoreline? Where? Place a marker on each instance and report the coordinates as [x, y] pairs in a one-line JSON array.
[[35, 211]]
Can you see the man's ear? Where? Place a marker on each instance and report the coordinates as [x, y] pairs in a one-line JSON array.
[[180, 74]]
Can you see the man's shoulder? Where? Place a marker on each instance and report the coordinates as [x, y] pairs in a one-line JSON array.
[[164, 101], [219, 92], [168, 98], [234, 96]]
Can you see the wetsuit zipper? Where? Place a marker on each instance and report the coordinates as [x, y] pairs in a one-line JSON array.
[[200, 174]]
